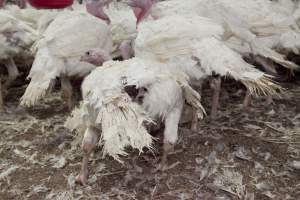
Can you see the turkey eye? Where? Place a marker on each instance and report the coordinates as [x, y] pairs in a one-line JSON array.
[[87, 53]]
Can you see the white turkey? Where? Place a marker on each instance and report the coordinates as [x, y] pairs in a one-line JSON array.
[[196, 46], [128, 95], [217, 11], [38, 19], [237, 19], [271, 22], [58, 53], [16, 37], [122, 24]]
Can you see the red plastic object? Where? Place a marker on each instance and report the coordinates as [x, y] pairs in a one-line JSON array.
[[50, 4]]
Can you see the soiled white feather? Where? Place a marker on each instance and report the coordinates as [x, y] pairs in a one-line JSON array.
[[109, 108], [216, 57], [120, 119]]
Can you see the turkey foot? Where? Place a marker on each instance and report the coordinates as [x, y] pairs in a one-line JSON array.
[[194, 124], [1, 98], [89, 144], [216, 86], [269, 100], [81, 178], [67, 90]]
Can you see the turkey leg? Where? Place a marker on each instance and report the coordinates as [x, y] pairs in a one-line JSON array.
[[194, 124], [216, 86], [12, 71], [170, 135], [247, 100], [67, 90], [1, 97], [167, 148], [88, 145], [195, 118], [269, 100]]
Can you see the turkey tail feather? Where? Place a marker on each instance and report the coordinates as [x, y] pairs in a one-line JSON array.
[[75, 122], [194, 99], [266, 52], [43, 73], [214, 56], [35, 91]]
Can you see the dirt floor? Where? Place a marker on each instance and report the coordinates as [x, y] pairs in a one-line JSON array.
[[249, 155]]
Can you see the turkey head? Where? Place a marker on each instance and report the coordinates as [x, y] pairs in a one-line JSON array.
[[96, 57]]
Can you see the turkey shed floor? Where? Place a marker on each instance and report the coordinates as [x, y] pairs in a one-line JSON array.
[[241, 155]]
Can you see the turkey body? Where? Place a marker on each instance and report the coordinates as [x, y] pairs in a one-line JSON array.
[[239, 19], [58, 52], [114, 76], [15, 35], [15, 38], [198, 49], [121, 117]]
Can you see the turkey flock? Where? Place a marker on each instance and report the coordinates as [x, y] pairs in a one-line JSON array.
[[143, 61]]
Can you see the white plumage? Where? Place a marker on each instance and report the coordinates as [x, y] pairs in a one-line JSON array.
[[68, 37], [16, 37], [122, 24], [33, 16], [199, 38], [164, 39], [268, 21], [109, 107], [239, 19], [216, 57]]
